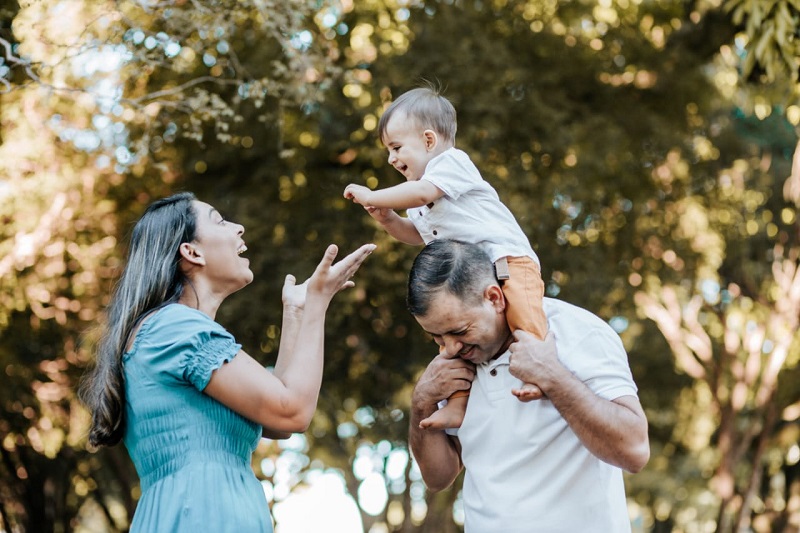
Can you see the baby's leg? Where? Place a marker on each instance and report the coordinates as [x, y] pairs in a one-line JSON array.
[[449, 416], [524, 291]]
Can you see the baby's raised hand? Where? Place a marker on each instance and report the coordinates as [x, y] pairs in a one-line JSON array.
[[357, 193], [380, 214]]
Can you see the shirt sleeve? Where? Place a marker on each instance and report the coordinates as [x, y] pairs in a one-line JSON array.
[[186, 345], [454, 174], [605, 370]]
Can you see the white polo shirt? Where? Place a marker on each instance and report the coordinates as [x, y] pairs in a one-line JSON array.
[[526, 471], [469, 211]]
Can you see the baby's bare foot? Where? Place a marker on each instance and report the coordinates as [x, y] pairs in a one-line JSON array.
[[449, 416], [528, 392]]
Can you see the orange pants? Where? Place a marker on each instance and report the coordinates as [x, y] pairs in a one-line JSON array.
[[523, 290]]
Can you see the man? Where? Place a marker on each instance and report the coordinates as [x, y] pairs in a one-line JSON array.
[[551, 465]]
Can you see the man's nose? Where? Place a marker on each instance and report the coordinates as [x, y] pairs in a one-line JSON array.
[[452, 346]]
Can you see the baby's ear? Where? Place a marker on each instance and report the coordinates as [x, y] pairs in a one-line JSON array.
[[431, 139]]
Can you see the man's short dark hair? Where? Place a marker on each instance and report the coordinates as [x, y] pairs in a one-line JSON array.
[[462, 269]]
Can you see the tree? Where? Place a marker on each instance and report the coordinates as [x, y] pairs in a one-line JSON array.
[[770, 31], [624, 136], [627, 183], [91, 95], [734, 330]]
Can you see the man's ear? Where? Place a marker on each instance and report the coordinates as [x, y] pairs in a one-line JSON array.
[[494, 294], [191, 254], [431, 139]]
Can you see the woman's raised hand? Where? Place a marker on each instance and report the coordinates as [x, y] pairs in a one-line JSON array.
[[294, 295], [330, 278]]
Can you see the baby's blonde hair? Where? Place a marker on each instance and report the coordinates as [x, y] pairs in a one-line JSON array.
[[428, 108]]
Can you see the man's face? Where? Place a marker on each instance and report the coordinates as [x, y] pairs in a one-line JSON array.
[[475, 332]]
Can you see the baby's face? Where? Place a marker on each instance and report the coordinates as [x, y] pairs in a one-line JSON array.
[[409, 150]]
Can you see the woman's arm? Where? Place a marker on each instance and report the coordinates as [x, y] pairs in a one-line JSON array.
[[292, 317], [286, 399]]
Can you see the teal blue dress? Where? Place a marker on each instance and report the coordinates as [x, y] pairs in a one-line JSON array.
[[191, 452]]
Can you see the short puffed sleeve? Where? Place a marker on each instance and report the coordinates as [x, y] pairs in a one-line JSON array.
[[184, 344]]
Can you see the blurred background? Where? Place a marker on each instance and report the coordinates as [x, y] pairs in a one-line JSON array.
[[645, 146]]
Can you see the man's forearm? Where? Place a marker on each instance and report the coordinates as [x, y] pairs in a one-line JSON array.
[[434, 451]]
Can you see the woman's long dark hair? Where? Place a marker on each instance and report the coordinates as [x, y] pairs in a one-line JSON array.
[[151, 278]]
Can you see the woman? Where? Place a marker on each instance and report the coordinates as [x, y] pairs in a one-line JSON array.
[[177, 388]]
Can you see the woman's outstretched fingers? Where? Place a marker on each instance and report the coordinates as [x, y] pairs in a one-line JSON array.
[[353, 262], [330, 254], [336, 276], [327, 260]]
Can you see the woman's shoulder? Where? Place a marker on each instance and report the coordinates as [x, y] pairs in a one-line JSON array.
[[177, 342], [183, 312], [177, 320]]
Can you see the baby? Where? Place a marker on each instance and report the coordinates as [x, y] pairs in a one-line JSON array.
[[445, 197]]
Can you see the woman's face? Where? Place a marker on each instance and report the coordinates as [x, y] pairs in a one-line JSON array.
[[221, 245]]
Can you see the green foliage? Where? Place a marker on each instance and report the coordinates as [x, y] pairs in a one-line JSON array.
[[773, 44], [649, 176]]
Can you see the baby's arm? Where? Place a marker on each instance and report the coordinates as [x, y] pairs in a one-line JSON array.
[[401, 196], [398, 227]]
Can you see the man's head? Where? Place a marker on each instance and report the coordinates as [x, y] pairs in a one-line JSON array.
[[454, 295]]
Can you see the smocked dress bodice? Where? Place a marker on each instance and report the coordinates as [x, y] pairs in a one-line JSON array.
[[192, 453]]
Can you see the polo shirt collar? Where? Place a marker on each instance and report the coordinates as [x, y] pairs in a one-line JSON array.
[[497, 361]]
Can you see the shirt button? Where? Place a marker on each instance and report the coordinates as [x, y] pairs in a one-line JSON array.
[[493, 372], [435, 232]]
